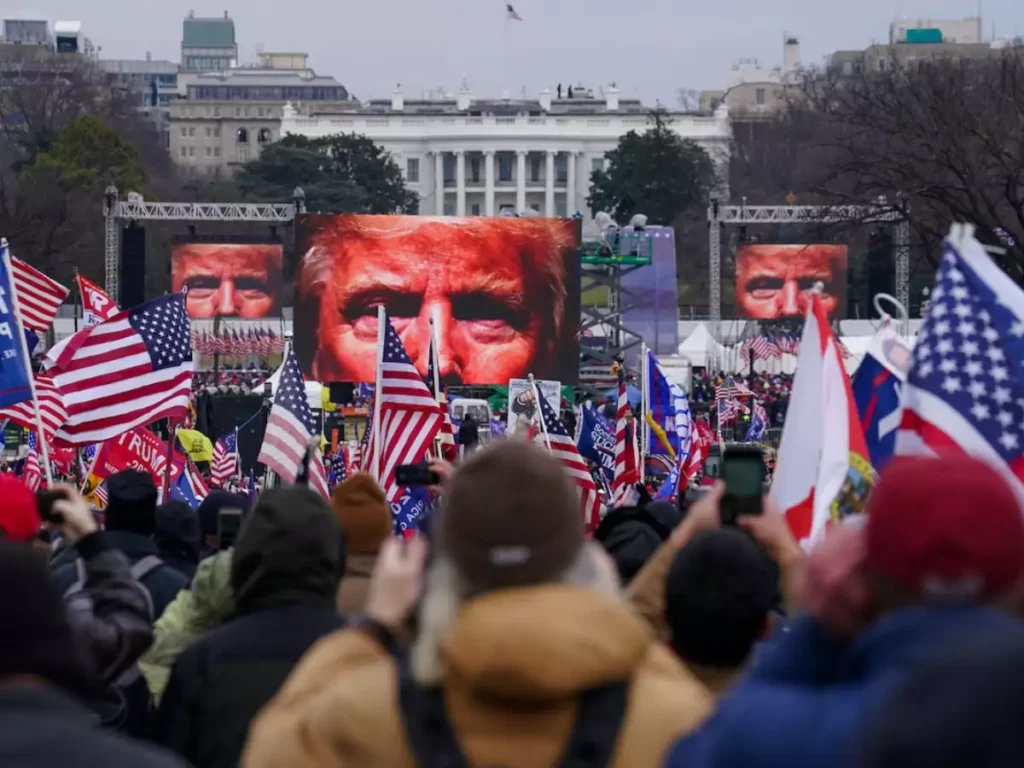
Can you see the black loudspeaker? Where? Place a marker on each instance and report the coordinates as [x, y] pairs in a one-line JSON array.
[[132, 281], [342, 393]]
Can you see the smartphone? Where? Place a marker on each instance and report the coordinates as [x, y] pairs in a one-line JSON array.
[[416, 474], [743, 470], [229, 522], [44, 500]]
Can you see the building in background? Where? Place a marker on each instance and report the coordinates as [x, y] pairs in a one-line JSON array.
[[28, 31], [62, 37], [208, 45], [754, 91], [226, 118], [152, 81], [479, 157], [918, 39]]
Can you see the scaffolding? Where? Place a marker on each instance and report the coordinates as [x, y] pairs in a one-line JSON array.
[[743, 215]]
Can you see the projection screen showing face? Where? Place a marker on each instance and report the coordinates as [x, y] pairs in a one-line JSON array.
[[229, 279], [504, 295], [773, 281]]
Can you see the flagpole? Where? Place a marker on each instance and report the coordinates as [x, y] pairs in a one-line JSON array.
[[78, 298], [435, 364], [44, 449], [645, 405], [378, 385], [536, 399], [172, 435]]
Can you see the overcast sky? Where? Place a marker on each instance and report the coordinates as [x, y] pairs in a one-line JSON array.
[[650, 48]]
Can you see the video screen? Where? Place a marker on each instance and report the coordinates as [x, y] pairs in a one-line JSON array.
[[503, 293], [229, 279], [773, 281]]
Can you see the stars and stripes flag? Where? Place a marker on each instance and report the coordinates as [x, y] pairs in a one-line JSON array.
[[131, 370], [39, 296], [100, 494], [627, 470], [96, 305], [225, 464], [511, 14], [51, 409], [446, 435], [290, 428], [362, 457], [31, 472], [964, 392], [563, 448], [759, 346], [408, 415], [731, 389], [339, 466]]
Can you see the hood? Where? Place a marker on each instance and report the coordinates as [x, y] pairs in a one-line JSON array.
[[631, 536], [177, 531], [212, 597], [291, 549], [543, 644]]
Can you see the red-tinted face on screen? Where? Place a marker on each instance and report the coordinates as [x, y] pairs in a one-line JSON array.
[[228, 280], [495, 289], [773, 281]]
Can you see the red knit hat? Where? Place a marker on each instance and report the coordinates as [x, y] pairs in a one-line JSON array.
[[947, 528], [19, 512]]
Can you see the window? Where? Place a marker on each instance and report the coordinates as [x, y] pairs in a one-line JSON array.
[[449, 169], [216, 131], [209, 131], [759, 95], [535, 169], [242, 154], [184, 152], [184, 131], [242, 136], [474, 209], [474, 170], [264, 137], [449, 206], [560, 207], [216, 151], [191, 151], [412, 170], [596, 164], [504, 168], [191, 130], [561, 169]]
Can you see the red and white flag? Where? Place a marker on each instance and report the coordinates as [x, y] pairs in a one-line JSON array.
[[131, 370], [700, 447], [32, 473], [39, 297], [96, 305], [627, 472], [823, 472], [225, 465], [51, 409]]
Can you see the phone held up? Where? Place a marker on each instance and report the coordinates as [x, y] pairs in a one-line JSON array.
[[45, 500], [744, 471], [229, 523], [416, 474]]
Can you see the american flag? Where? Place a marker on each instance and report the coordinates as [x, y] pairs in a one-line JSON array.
[[446, 435], [410, 417], [100, 494], [728, 410], [225, 464], [32, 473], [290, 428], [773, 349], [339, 466], [759, 345], [362, 457], [39, 296], [730, 389], [964, 393], [51, 409], [627, 473], [563, 448], [131, 370]]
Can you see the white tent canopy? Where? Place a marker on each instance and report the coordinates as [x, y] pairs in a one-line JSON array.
[[700, 348], [314, 389]]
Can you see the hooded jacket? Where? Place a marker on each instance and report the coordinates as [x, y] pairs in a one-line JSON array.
[[515, 664], [285, 571]]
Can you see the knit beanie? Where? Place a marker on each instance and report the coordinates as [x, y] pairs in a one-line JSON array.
[[511, 517], [362, 509], [19, 511], [131, 505]]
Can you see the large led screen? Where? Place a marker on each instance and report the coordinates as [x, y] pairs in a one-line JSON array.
[[773, 281], [229, 279], [503, 293]]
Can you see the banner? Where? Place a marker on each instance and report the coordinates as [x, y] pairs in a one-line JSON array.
[[596, 441], [522, 408], [138, 449], [15, 374], [96, 305]]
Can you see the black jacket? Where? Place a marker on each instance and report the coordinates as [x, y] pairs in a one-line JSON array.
[[163, 584], [285, 573], [44, 728]]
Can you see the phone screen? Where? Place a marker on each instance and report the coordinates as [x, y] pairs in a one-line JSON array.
[[229, 522], [744, 476]]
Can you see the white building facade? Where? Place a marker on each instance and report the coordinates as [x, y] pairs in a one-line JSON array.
[[467, 157]]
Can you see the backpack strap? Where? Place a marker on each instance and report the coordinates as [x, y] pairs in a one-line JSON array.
[[427, 726], [79, 583], [140, 570], [593, 738]]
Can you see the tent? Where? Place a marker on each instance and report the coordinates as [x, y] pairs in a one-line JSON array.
[[701, 349]]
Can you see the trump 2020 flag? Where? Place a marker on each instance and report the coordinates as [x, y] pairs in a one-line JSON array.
[[823, 472], [965, 389], [877, 387], [668, 408], [596, 441], [15, 375]]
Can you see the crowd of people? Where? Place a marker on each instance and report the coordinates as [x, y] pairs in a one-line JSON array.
[[771, 390], [301, 632]]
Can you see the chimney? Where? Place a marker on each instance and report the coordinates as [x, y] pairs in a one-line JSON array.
[[462, 99], [791, 54], [611, 98], [545, 100], [397, 100]]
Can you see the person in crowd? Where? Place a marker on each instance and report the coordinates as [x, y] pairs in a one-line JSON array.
[[46, 676], [177, 537], [204, 606], [228, 280], [495, 289], [941, 555], [209, 514], [469, 434], [631, 535], [525, 652], [962, 707], [285, 571], [364, 515], [130, 522]]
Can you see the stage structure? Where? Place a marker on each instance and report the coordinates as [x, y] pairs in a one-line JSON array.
[[116, 212], [744, 215]]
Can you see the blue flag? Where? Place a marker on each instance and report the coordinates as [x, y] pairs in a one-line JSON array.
[[411, 511], [758, 424], [669, 408], [15, 371], [182, 490], [670, 485], [596, 441], [877, 386]]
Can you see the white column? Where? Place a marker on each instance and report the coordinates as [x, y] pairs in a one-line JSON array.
[[439, 183], [460, 183], [489, 182], [520, 180], [570, 184], [549, 183]]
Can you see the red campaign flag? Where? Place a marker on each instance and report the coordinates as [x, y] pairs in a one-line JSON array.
[[627, 471], [96, 305], [39, 297], [137, 449], [131, 370]]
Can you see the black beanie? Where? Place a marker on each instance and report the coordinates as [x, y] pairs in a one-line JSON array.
[[37, 638], [132, 503]]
